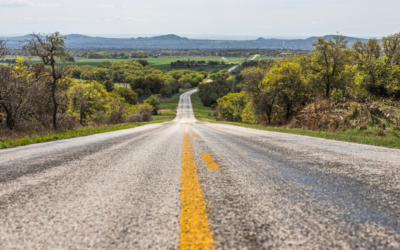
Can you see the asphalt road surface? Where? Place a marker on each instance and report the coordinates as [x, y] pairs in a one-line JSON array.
[[192, 185]]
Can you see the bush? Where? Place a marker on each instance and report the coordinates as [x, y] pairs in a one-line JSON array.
[[129, 95], [211, 91], [145, 110], [337, 95], [154, 102], [109, 86], [249, 114], [231, 106]]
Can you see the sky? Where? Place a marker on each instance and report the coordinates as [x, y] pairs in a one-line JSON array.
[[206, 18]]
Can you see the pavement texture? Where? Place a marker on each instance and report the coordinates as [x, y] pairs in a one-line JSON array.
[[192, 185]]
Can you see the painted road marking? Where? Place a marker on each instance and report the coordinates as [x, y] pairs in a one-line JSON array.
[[210, 163], [195, 231], [194, 135]]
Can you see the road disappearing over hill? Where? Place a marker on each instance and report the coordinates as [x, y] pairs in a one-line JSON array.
[[192, 185]]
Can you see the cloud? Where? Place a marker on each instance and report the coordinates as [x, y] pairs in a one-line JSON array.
[[23, 3], [106, 6]]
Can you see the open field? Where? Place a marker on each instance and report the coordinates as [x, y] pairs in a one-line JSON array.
[[152, 61]]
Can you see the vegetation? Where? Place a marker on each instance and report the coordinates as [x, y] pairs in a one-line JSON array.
[[336, 90]]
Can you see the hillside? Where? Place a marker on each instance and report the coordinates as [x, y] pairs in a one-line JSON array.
[[176, 42]]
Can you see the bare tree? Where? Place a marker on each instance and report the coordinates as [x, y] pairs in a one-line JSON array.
[[4, 50], [49, 48], [14, 92]]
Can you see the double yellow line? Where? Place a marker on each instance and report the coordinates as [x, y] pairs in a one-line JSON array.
[[195, 229]]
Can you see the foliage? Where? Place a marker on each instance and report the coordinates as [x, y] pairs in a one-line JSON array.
[[211, 91], [231, 106], [129, 95], [249, 114], [154, 102]]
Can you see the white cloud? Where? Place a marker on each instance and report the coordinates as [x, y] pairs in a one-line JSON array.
[[105, 6], [22, 3]]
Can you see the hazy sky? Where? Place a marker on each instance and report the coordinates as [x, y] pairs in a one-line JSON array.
[[362, 18]]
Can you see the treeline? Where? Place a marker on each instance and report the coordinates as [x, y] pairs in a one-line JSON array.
[[142, 78], [274, 93], [194, 63]]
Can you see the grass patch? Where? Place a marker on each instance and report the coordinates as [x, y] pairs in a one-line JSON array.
[[202, 113], [58, 135], [172, 103], [164, 116]]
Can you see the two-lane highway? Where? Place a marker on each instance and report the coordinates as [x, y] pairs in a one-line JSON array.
[[192, 185]]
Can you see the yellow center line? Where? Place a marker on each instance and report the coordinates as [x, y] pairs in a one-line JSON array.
[[210, 163], [194, 135], [195, 231]]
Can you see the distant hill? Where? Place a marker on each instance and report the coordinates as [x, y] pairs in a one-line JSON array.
[[176, 42]]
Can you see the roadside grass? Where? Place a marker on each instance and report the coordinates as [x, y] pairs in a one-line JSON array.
[[389, 138], [164, 116], [201, 112], [172, 103], [58, 135]]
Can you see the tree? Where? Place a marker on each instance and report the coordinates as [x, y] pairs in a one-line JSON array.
[[4, 50], [231, 106], [391, 48], [154, 102], [109, 85], [104, 65], [328, 61], [129, 95], [286, 78], [85, 99], [14, 82], [252, 78], [49, 48]]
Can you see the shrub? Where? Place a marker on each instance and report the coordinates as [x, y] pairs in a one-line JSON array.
[[337, 95], [231, 106], [154, 102], [109, 86], [249, 114], [145, 110], [129, 95]]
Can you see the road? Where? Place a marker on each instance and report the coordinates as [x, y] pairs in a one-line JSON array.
[[193, 185]]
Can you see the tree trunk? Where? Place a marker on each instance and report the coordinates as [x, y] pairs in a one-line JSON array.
[[327, 87], [288, 108], [81, 118], [10, 122], [53, 93]]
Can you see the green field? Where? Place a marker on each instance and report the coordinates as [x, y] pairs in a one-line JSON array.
[[202, 113], [172, 103]]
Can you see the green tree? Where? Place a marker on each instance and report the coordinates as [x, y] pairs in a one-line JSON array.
[[328, 62], [129, 95], [85, 100], [231, 106], [104, 65], [287, 79], [109, 85], [154, 102]]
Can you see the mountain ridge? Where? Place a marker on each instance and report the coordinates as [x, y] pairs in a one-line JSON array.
[[172, 41]]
